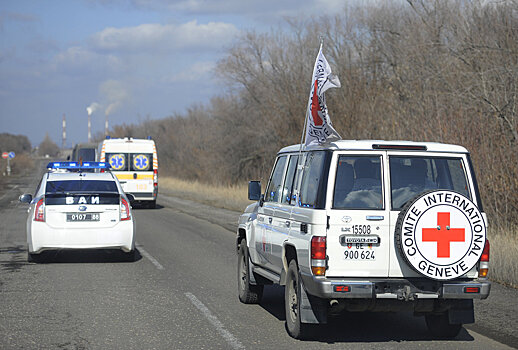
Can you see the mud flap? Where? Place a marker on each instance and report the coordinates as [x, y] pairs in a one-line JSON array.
[[312, 309], [462, 312]]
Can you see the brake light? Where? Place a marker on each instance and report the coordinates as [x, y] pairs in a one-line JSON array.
[[318, 255], [125, 210], [39, 212], [484, 261], [155, 177]]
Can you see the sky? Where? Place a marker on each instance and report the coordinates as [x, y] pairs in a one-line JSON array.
[[130, 59]]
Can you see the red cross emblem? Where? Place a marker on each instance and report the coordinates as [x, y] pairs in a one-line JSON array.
[[443, 235]]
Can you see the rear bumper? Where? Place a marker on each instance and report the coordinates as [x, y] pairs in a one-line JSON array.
[[399, 289], [120, 236]]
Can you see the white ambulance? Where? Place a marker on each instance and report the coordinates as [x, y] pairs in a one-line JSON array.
[[135, 163]]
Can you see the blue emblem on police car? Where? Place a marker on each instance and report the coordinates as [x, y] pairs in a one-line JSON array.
[[82, 207], [141, 162]]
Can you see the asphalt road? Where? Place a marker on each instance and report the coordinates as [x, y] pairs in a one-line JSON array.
[[181, 294]]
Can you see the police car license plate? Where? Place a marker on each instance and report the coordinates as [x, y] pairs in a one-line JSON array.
[[83, 217]]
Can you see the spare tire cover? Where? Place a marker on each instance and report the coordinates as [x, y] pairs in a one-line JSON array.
[[441, 234]]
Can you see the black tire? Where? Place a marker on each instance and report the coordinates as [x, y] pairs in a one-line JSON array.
[[440, 327], [130, 256], [152, 205], [294, 325], [248, 293], [34, 258]]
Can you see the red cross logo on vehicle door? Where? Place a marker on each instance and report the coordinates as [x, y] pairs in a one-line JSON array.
[[443, 234]]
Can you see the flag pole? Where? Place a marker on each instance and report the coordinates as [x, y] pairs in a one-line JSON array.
[[304, 128]]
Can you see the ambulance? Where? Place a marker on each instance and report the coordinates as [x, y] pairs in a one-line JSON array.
[[135, 163]]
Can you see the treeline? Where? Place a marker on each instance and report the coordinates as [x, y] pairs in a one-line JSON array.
[[444, 71]]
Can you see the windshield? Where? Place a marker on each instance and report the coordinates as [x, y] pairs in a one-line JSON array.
[[81, 186], [411, 176]]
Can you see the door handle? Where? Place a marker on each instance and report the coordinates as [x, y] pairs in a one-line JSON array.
[[287, 224], [270, 220], [374, 217]]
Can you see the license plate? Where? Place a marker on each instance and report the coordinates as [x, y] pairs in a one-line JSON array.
[[83, 216], [359, 239], [360, 254]]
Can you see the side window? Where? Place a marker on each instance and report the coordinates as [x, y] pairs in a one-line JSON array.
[[311, 191], [273, 191], [287, 192], [358, 183]]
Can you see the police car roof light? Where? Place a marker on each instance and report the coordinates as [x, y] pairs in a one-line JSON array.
[[77, 166]]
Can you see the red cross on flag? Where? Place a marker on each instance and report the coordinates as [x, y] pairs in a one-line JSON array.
[[319, 128]]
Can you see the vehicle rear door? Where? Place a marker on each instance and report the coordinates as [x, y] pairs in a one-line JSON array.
[[358, 236]]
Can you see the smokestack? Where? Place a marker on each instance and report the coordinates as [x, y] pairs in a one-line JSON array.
[[64, 138], [89, 127], [106, 126]]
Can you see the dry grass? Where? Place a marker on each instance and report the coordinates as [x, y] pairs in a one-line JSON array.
[[503, 255], [503, 258], [228, 197]]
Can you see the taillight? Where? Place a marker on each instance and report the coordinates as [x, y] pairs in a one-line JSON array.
[[484, 261], [155, 177], [39, 212], [318, 255], [125, 210]]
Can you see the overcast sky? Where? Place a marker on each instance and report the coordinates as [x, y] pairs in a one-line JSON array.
[[134, 58]]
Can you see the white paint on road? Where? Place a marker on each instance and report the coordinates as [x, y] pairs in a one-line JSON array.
[[5, 194], [229, 337], [149, 257]]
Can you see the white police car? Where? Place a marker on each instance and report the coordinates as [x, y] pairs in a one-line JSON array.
[[79, 207]]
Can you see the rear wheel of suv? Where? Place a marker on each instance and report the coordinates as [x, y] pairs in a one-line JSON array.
[[440, 326], [292, 303], [248, 293], [34, 258]]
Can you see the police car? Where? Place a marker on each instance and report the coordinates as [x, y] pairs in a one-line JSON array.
[[75, 208], [367, 226]]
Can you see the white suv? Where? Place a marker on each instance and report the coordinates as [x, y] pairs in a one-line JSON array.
[[367, 226]]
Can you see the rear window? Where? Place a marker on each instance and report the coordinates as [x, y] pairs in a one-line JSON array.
[[130, 161], [82, 186], [86, 154], [411, 176]]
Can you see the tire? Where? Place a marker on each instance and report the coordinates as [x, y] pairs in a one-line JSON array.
[[130, 256], [440, 327], [152, 205], [34, 258], [248, 293], [294, 326]]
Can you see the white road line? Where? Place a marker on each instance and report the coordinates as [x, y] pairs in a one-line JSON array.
[[149, 257], [231, 340], [5, 194]]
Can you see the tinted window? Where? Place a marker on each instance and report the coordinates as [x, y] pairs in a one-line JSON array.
[[141, 161], [287, 192], [86, 154], [311, 189], [117, 161], [69, 186], [358, 183], [411, 176], [274, 188]]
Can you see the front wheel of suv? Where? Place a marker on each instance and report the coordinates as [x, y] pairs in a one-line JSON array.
[[248, 293]]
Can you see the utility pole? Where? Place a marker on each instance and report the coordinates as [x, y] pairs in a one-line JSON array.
[[64, 138]]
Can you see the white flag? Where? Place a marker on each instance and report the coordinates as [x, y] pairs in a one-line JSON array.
[[319, 127]]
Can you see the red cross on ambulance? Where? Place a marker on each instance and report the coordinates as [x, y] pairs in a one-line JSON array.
[[443, 234]]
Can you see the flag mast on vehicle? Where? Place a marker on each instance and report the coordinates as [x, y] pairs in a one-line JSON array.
[[318, 128]]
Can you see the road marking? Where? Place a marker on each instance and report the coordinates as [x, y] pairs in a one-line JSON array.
[[10, 189], [231, 340], [149, 257]]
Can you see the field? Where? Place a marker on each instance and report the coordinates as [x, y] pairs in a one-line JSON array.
[[504, 250]]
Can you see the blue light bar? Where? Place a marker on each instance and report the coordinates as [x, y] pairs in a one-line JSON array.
[[77, 166]]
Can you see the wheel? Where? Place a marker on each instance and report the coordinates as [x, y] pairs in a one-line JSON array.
[[248, 293], [131, 256], [34, 258], [295, 327], [152, 205], [439, 325]]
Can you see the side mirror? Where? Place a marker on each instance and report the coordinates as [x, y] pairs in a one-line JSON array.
[[254, 190], [131, 197], [25, 198]]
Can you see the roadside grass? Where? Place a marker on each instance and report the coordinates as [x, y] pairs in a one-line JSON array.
[[228, 197], [503, 259]]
